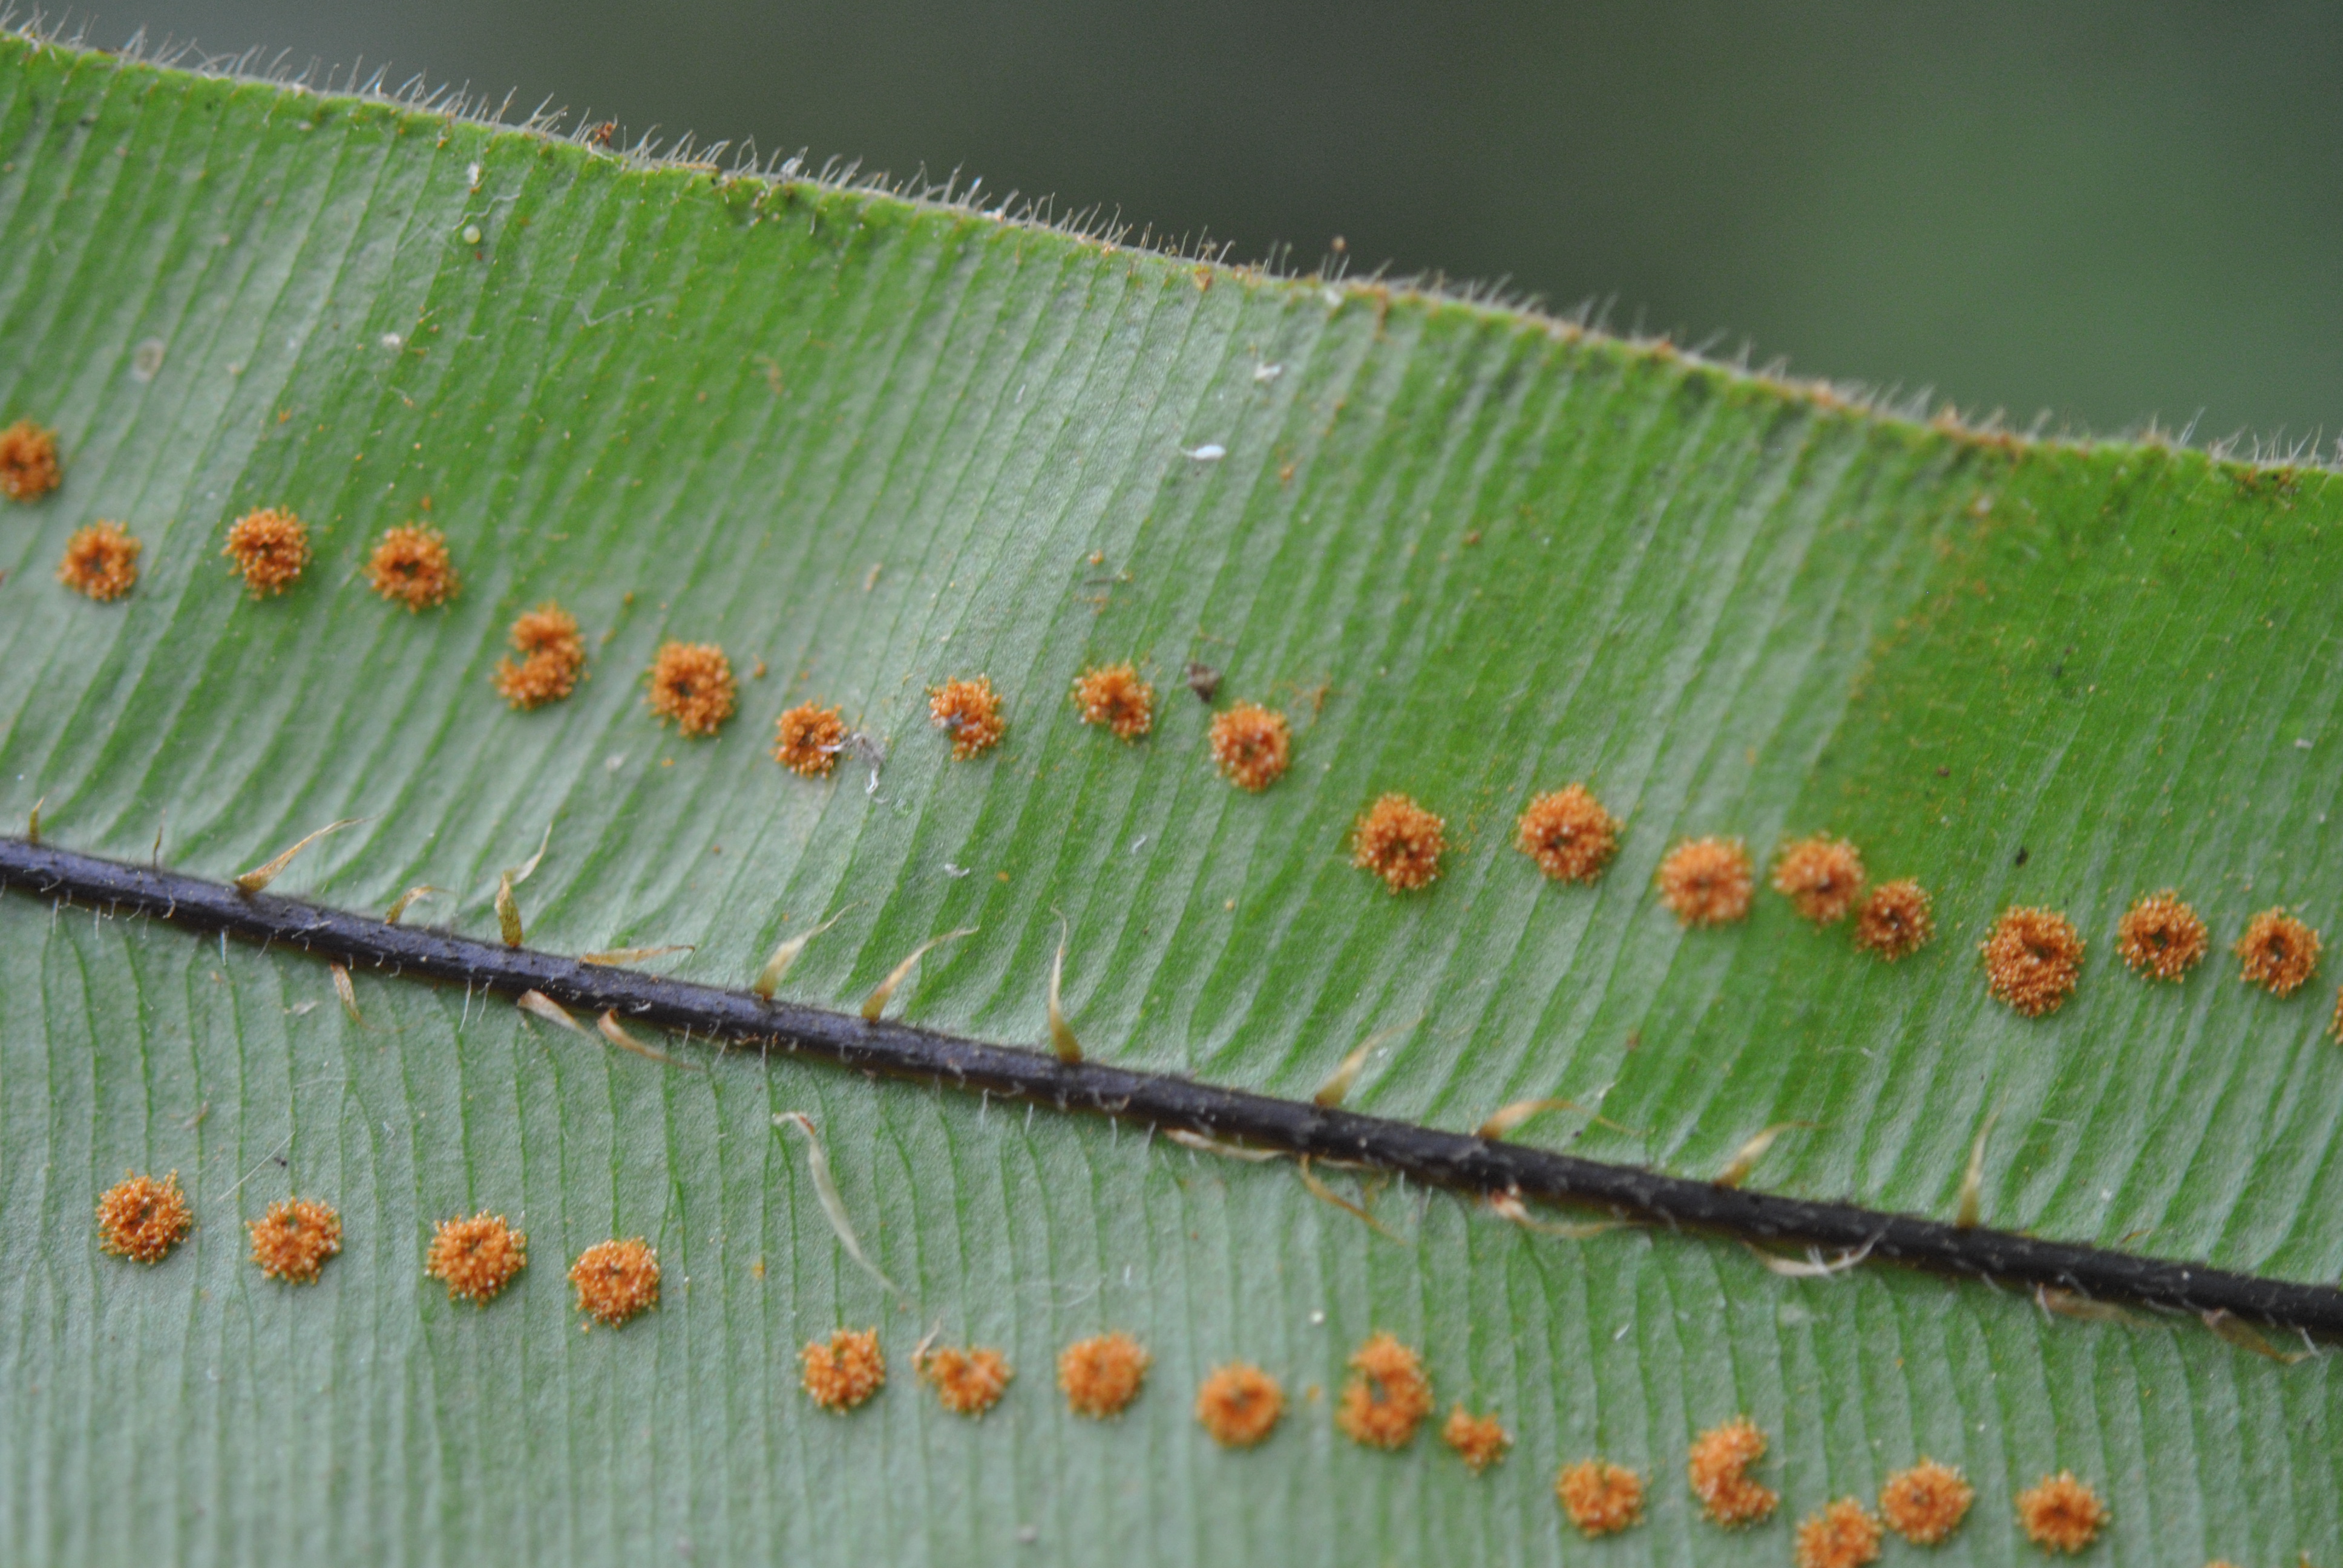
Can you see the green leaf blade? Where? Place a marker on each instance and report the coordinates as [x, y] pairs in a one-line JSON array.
[[1505, 556]]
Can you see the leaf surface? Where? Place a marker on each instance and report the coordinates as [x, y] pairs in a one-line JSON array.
[[868, 445]]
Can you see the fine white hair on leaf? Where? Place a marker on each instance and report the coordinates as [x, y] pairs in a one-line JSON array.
[[1325, 1194], [398, 905], [859, 744], [616, 1034], [522, 872], [348, 993], [876, 1002], [259, 877], [264, 1160], [768, 978], [2245, 1337], [1972, 1180], [833, 1204], [2073, 1304], [550, 1011], [1338, 1083], [1508, 1117], [509, 908], [614, 956], [1203, 1145], [1507, 1206], [1738, 1168], [1811, 1267], [1062, 1033]]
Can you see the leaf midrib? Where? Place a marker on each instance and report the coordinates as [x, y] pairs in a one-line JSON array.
[[1474, 1165]]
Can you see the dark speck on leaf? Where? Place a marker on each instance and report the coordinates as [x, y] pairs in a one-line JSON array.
[[1944, 773], [2024, 854], [1203, 681]]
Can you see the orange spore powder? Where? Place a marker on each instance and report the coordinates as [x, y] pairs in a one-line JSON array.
[[2277, 952], [100, 560], [477, 1257], [970, 712], [411, 567], [2032, 959], [1479, 1441], [807, 738], [1387, 1395], [141, 1219], [1706, 882], [691, 683], [616, 1280], [1101, 1376], [1253, 745], [1841, 1534], [269, 547], [28, 461], [2335, 1025], [1239, 1404], [1114, 695], [1821, 876], [967, 1382], [2160, 937], [293, 1239], [551, 654], [1398, 842], [1719, 1469], [1925, 1504], [2060, 1513], [846, 1372], [1568, 833], [1601, 1498], [1896, 920]]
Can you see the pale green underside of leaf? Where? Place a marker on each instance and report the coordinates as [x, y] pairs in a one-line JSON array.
[[1474, 555], [196, 1411]]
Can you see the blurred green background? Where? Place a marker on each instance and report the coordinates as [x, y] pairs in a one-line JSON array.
[[2108, 211]]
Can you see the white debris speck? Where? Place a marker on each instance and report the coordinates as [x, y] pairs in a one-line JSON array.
[[1333, 297], [2302, 744], [614, 761], [146, 360], [1267, 372], [1317, 1319], [393, 340], [472, 172], [953, 871], [1210, 452]]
